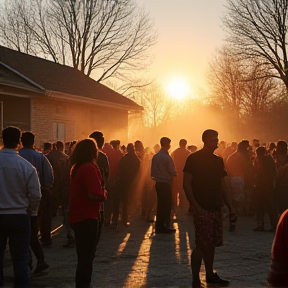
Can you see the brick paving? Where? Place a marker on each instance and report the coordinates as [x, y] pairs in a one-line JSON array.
[[135, 257]]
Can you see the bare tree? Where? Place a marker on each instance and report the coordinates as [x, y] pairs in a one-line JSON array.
[[226, 83], [100, 38], [158, 108], [258, 30], [242, 86]]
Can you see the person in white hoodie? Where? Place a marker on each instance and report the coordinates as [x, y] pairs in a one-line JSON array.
[[20, 197]]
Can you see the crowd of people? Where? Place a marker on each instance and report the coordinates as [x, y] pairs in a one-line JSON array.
[[95, 184]]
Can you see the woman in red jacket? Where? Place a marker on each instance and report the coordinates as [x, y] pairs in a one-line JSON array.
[[86, 195]]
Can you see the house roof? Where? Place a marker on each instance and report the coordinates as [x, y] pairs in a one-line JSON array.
[[60, 78]]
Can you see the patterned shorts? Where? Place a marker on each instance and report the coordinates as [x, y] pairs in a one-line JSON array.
[[208, 228]]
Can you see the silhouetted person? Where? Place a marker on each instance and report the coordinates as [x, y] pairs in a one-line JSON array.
[[163, 171], [265, 172], [114, 155], [179, 157], [238, 166], [58, 160], [128, 168], [45, 173], [281, 160], [205, 188]]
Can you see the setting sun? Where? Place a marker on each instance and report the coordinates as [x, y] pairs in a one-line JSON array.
[[178, 89]]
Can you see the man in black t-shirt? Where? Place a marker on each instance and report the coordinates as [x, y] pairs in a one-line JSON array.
[[205, 188]]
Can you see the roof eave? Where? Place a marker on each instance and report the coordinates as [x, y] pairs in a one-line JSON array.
[[86, 100]]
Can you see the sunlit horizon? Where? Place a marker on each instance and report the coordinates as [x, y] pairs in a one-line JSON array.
[[178, 89]]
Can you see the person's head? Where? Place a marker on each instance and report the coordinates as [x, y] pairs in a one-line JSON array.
[[139, 146], [85, 151], [243, 146], [182, 143], [281, 147], [165, 143], [234, 145], [98, 137], [222, 144], [47, 147], [115, 144], [59, 146], [123, 149], [71, 147], [261, 152], [11, 137], [256, 143], [271, 146], [156, 148], [210, 139], [192, 148], [130, 148], [27, 139]]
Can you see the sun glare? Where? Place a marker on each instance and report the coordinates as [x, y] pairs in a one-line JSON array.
[[178, 89]]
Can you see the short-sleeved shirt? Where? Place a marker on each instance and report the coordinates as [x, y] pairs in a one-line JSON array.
[[207, 170], [86, 178]]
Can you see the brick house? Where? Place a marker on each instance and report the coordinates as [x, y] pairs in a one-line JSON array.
[[58, 102]]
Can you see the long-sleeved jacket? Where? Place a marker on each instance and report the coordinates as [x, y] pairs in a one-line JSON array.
[[19, 184]]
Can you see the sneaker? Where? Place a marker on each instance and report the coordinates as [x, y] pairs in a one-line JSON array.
[[216, 280], [41, 266]]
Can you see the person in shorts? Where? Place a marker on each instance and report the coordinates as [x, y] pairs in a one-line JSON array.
[[205, 188]]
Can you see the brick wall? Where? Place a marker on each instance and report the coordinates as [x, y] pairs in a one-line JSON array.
[[79, 120]]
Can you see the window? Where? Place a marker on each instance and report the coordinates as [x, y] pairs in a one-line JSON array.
[[58, 131]]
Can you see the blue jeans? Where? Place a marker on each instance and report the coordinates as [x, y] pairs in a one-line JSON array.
[[16, 228]]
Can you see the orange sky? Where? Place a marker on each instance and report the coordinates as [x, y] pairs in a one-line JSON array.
[[189, 32]]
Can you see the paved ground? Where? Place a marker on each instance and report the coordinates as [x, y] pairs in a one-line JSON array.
[[132, 257]]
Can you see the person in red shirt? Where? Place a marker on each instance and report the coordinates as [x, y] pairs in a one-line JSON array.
[[278, 275], [86, 195]]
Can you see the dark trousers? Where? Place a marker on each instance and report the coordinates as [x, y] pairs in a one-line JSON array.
[[266, 204], [34, 242], [16, 227], [86, 237], [45, 216], [123, 196], [164, 205], [111, 188]]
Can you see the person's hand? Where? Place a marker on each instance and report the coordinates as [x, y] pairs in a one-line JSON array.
[[105, 194], [195, 207]]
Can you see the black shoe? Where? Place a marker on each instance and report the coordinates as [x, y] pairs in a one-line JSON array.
[[70, 243], [259, 228], [106, 224], [41, 266], [165, 230], [232, 228], [216, 280]]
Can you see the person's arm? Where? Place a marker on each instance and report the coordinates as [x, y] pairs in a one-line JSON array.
[[92, 181], [171, 168], [48, 174], [33, 192], [187, 186]]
